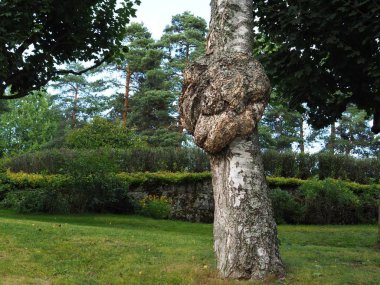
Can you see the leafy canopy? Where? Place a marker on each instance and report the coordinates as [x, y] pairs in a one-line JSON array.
[[323, 53], [38, 36]]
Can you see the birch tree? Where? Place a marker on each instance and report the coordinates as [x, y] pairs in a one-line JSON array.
[[225, 94]]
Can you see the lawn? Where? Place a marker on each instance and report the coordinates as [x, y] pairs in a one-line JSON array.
[[111, 249]]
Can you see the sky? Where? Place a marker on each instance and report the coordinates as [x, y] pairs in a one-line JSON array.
[[157, 14]]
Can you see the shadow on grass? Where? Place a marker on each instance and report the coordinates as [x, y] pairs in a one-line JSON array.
[[114, 221]]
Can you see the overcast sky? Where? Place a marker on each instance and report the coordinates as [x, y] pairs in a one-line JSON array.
[[156, 14]]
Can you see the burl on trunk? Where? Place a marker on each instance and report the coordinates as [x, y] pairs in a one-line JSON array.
[[225, 94]]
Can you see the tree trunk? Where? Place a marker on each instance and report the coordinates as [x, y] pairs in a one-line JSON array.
[[302, 137], [246, 244], [332, 138], [75, 108], [225, 94], [126, 95], [378, 221]]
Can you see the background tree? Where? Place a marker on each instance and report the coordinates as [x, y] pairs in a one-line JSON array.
[[153, 110], [39, 36], [141, 55], [326, 55], [281, 128], [29, 124], [183, 41], [350, 135], [80, 97]]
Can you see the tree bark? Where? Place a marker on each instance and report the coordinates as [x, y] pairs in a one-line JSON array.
[[75, 108], [246, 244], [126, 95], [332, 138], [378, 221], [302, 137], [225, 94]]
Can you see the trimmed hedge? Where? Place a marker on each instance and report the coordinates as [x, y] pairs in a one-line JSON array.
[[302, 166], [57, 161], [294, 200], [322, 165]]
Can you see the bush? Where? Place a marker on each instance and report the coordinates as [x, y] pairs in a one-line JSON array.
[[155, 207], [88, 185], [306, 165], [368, 209], [328, 202], [286, 208], [124, 160], [101, 133]]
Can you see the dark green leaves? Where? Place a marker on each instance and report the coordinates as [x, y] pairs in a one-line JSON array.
[[316, 50], [37, 36]]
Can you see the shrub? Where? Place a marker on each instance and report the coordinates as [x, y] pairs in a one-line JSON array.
[[102, 133], [306, 165], [125, 160], [155, 207], [328, 202], [368, 210], [286, 208]]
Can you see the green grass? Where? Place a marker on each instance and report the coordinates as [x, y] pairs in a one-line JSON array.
[[110, 249]]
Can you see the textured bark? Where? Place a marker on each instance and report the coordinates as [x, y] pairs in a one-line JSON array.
[[75, 108], [302, 137], [126, 95], [378, 221], [245, 233], [332, 138], [225, 94]]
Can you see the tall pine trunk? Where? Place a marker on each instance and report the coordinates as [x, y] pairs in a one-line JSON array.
[[75, 108], [332, 138], [378, 221], [302, 137], [126, 95], [225, 94]]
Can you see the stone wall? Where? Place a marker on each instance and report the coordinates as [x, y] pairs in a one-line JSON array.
[[192, 202]]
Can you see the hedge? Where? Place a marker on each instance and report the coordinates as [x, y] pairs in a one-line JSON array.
[[302, 166], [57, 161], [312, 201]]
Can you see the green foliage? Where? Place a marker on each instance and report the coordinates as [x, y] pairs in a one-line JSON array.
[[102, 133], [311, 57], [89, 186], [141, 53], [153, 110], [163, 178], [286, 208], [324, 165], [80, 97], [163, 159], [284, 182], [280, 127], [155, 207], [346, 167], [185, 37], [28, 124], [39, 36], [328, 202], [354, 135], [129, 160]]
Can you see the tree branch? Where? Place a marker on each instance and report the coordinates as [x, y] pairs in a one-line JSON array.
[[70, 71]]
